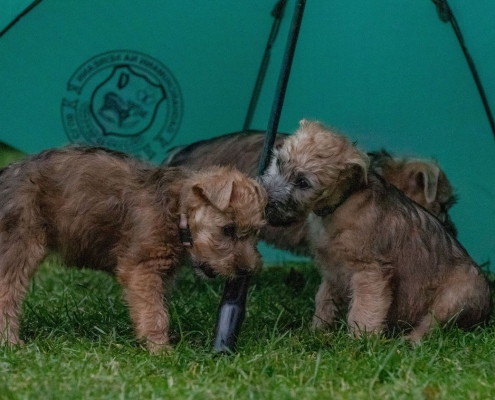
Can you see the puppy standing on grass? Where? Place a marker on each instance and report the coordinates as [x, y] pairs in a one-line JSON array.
[[105, 210], [387, 258]]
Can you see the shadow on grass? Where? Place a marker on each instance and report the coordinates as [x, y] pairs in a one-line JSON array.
[[88, 304]]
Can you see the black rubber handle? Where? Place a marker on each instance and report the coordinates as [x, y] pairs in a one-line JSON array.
[[231, 313]]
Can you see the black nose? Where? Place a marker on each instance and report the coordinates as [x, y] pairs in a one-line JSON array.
[[270, 210], [272, 215], [276, 217]]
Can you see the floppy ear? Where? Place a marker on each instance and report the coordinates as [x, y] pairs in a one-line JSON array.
[[356, 166], [352, 176], [216, 191], [357, 171], [424, 178]]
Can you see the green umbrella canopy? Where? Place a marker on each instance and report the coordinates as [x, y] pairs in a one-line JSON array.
[[389, 74]]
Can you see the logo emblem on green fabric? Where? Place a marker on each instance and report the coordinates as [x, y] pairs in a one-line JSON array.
[[123, 100]]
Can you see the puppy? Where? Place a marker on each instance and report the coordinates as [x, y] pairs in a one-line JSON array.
[[421, 180], [385, 256], [104, 210]]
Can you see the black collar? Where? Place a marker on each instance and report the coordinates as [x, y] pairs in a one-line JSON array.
[[327, 210]]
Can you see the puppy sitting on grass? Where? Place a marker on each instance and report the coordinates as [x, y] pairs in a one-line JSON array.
[[104, 210], [386, 257]]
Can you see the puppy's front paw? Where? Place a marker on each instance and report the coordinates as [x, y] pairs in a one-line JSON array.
[[155, 347], [414, 338], [320, 324], [11, 340]]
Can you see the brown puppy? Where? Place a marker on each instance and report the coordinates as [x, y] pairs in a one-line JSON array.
[[386, 257], [421, 180], [105, 210]]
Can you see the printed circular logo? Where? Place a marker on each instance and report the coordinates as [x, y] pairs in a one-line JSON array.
[[123, 100]]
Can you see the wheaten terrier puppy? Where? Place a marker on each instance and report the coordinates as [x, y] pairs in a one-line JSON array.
[[390, 260]]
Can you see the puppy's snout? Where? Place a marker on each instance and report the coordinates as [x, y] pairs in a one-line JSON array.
[[277, 216], [248, 270], [207, 270], [272, 214], [247, 261], [244, 271]]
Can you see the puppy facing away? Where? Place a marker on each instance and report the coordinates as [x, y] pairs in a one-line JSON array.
[[104, 210], [422, 180], [386, 257]]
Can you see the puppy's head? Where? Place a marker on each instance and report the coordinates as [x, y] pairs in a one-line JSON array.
[[421, 180], [310, 171], [225, 211]]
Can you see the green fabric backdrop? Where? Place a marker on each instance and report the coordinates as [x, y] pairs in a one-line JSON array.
[[390, 74]]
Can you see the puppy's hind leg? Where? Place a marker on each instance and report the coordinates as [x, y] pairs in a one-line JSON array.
[[464, 299], [371, 296], [19, 257]]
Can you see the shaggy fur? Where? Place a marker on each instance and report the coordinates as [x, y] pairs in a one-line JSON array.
[[105, 210], [421, 180], [386, 257]]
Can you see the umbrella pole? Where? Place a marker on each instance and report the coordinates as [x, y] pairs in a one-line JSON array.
[[232, 307], [278, 14]]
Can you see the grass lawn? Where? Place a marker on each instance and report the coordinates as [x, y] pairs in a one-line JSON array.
[[79, 344]]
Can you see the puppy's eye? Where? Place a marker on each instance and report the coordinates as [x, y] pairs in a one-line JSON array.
[[229, 231], [302, 184]]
